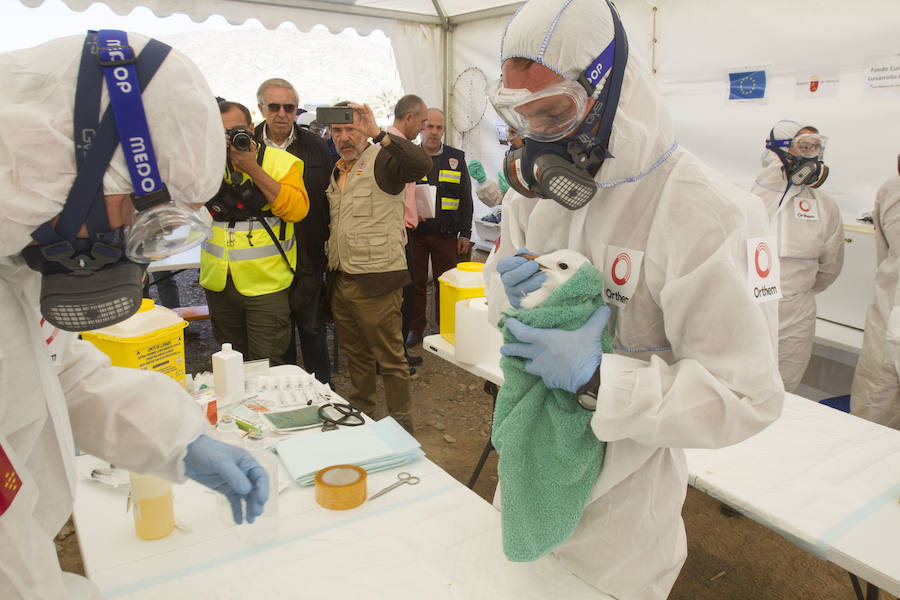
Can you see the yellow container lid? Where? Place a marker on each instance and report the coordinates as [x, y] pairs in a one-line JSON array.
[[148, 319]]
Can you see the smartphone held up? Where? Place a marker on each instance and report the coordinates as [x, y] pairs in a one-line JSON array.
[[334, 115]]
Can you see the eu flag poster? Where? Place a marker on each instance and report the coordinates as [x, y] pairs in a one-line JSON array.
[[747, 85]]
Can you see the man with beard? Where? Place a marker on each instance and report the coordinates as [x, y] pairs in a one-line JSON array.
[[366, 257]]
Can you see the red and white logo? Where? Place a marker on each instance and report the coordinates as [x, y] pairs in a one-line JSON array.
[[621, 269], [763, 269], [10, 483], [762, 259], [453, 163], [621, 274], [806, 209]]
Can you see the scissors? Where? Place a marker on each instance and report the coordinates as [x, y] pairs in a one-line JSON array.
[[404, 478]]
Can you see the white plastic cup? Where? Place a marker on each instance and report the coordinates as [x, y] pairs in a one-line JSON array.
[[265, 527]]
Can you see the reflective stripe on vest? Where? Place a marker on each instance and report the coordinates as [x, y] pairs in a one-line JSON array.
[[449, 203], [446, 176], [214, 249], [236, 254]]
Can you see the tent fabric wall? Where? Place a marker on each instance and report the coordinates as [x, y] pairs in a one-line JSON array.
[[699, 41], [417, 50]]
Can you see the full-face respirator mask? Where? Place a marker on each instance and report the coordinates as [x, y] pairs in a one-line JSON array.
[[801, 157], [551, 164], [96, 281]]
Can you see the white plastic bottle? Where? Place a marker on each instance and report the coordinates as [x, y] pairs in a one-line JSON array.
[[228, 375]]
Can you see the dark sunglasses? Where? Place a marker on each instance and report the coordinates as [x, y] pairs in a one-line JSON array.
[[275, 107]]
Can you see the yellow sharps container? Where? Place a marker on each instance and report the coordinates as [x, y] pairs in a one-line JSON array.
[[151, 339], [464, 281]]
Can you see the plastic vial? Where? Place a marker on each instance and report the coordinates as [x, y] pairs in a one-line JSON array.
[[228, 374]]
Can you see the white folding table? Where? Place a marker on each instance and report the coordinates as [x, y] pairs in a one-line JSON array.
[[827, 481], [436, 539]]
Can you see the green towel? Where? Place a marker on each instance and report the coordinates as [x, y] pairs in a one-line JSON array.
[[549, 456]]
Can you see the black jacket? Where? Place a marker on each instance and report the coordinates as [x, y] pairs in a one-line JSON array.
[[453, 210], [312, 231]]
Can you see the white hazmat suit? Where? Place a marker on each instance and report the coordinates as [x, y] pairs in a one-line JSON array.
[[876, 384], [694, 362], [56, 391], [810, 234]]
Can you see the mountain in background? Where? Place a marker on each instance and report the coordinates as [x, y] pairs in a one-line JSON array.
[[324, 67]]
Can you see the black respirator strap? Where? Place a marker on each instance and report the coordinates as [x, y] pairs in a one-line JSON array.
[[86, 194]]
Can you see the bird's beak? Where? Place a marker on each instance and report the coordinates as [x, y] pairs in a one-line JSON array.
[[532, 257]]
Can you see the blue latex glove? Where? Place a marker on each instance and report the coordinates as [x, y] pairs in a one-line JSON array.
[[520, 276], [501, 181], [565, 360], [231, 471], [476, 170]]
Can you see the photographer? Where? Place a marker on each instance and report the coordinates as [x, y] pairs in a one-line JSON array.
[[248, 264]]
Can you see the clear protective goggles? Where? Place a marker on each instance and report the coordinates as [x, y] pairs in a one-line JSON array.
[[164, 230], [808, 145], [546, 115]]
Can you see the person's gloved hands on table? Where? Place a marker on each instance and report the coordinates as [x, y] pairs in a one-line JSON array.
[[501, 182], [476, 170], [565, 360], [231, 471], [520, 276]]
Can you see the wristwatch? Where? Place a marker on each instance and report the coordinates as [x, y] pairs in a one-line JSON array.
[[587, 394], [378, 137]]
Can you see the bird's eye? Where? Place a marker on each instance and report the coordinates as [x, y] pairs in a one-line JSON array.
[[563, 266]]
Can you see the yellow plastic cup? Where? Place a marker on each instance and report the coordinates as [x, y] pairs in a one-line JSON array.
[[152, 506]]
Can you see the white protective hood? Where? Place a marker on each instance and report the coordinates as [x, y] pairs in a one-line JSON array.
[[37, 153], [642, 133]]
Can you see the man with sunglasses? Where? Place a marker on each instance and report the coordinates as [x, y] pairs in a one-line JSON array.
[[810, 237], [277, 101], [693, 361]]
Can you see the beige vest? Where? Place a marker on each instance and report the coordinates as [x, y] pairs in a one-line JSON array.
[[366, 223]]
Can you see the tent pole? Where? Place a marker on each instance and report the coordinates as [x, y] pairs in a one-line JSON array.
[[445, 60]]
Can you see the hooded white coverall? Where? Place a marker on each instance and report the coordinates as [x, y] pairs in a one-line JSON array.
[[694, 362], [811, 249], [876, 384], [57, 392]]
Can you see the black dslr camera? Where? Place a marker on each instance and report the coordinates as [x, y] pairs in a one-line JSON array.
[[241, 137]]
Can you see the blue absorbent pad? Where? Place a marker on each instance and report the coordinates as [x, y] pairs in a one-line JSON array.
[[373, 447], [549, 456]]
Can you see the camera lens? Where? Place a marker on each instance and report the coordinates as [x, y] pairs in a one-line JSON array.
[[240, 138]]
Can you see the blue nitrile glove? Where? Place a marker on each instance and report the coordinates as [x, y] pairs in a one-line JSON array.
[[501, 181], [476, 170], [565, 360], [520, 276], [231, 471]]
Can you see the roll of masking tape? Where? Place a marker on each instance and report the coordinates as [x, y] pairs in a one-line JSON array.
[[341, 487]]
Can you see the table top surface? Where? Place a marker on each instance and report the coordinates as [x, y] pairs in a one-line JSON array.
[[825, 480], [436, 539], [189, 259]]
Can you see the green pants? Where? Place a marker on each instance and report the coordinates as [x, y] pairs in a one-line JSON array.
[[256, 326], [368, 330]]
